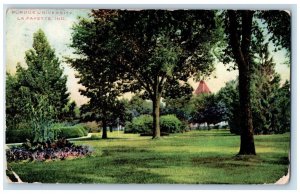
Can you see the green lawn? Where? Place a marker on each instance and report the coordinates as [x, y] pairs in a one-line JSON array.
[[206, 157]]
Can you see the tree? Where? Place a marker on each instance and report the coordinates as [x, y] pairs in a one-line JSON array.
[[70, 112], [13, 106], [149, 48], [281, 121], [229, 96], [239, 29], [44, 76], [208, 109], [94, 42], [265, 84], [34, 90], [270, 102], [138, 106], [177, 100]]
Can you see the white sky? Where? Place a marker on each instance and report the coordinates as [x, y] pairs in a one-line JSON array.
[[19, 36]]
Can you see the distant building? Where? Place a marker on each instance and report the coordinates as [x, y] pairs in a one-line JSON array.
[[202, 88]]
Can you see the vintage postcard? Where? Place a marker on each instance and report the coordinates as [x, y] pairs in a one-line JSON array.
[[148, 96]]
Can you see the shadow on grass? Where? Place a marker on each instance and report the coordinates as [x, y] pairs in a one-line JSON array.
[[278, 161], [140, 177], [119, 150], [227, 162], [213, 133], [90, 170], [100, 139]]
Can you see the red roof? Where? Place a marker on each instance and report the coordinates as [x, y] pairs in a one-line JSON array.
[[202, 88]]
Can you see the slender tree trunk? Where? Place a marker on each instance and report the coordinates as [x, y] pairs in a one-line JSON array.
[[240, 44], [104, 129], [110, 128], [155, 113]]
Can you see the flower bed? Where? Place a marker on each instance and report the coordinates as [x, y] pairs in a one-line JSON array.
[[60, 149]]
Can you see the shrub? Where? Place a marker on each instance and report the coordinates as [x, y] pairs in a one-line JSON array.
[[140, 124], [83, 128], [70, 131], [171, 124], [128, 127], [143, 124], [61, 129], [18, 136]]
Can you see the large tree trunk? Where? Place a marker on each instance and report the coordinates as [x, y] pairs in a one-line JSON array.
[[240, 44], [104, 129], [247, 146], [155, 113]]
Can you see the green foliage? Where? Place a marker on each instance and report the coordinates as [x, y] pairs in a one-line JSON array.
[[18, 136], [44, 75], [36, 95], [279, 23], [41, 118], [171, 124], [208, 109], [140, 124], [70, 132], [181, 107], [64, 131], [70, 112], [143, 124], [141, 52], [96, 71], [54, 131], [270, 105], [229, 96], [138, 106]]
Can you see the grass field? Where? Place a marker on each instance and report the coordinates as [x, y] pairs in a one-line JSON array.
[[205, 157]]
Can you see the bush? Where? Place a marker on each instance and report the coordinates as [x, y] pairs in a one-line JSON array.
[[140, 124], [143, 124], [84, 129], [18, 136], [171, 124], [70, 131], [62, 130]]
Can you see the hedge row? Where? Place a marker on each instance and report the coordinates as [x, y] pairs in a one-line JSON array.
[[18, 136], [71, 131]]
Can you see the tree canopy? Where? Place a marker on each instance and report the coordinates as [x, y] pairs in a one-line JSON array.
[[143, 51], [37, 95]]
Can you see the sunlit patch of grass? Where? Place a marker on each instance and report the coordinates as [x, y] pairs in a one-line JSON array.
[[194, 157]]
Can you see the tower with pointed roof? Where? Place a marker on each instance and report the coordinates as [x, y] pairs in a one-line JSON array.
[[202, 88]]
